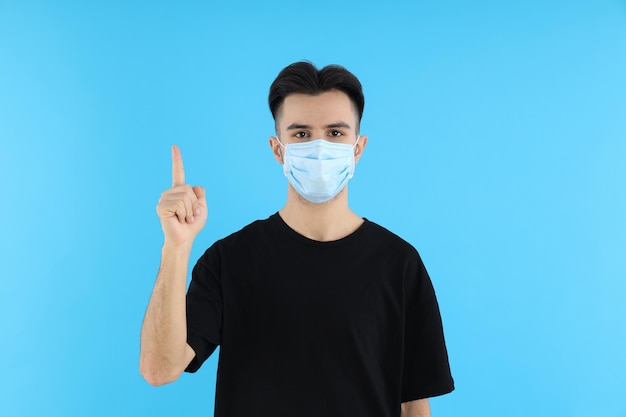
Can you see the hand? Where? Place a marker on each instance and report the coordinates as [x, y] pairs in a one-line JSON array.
[[182, 209]]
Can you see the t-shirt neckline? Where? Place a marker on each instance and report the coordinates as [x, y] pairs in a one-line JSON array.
[[286, 229]]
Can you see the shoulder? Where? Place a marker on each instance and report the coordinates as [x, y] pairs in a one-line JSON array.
[[385, 237], [257, 228], [252, 235], [398, 254]]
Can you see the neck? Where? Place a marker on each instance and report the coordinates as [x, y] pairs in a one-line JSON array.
[[323, 222]]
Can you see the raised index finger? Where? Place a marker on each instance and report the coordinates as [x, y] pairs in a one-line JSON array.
[[178, 172]]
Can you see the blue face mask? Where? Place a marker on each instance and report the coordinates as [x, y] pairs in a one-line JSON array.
[[318, 170]]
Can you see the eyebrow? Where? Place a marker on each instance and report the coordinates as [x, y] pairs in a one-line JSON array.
[[295, 126]]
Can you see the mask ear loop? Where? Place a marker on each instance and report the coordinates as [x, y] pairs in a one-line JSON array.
[[281, 144], [353, 145]]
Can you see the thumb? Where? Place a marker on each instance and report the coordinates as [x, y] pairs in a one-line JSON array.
[[200, 195]]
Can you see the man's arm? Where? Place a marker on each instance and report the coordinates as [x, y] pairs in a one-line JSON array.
[[164, 350], [183, 212], [417, 408]]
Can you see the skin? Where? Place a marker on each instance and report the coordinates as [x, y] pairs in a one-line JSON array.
[[183, 211]]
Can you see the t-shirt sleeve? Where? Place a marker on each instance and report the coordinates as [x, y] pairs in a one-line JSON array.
[[426, 370], [204, 308]]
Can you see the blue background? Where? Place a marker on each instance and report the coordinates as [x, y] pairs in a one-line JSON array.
[[496, 147]]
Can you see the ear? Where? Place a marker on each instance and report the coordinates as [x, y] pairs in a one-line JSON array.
[[359, 148], [276, 149]]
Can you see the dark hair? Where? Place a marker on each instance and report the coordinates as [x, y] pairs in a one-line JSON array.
[[304, 78]]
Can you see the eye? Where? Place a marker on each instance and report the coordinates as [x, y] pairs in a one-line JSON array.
[[301, 135], [335, 133]]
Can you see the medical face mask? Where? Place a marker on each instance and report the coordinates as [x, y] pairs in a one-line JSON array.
[[318, 170]]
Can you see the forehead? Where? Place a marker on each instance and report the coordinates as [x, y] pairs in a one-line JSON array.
[[330, 105]]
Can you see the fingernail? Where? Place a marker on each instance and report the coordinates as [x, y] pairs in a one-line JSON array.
[[192, 219], [197, 211]]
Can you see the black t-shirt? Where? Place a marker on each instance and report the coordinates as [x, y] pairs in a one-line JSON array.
[[343, 328]]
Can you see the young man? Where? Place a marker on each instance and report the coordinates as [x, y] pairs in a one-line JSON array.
[[317, 311]]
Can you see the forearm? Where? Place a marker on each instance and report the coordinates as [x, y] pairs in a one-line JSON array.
[[417, 408], [164, 330]]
